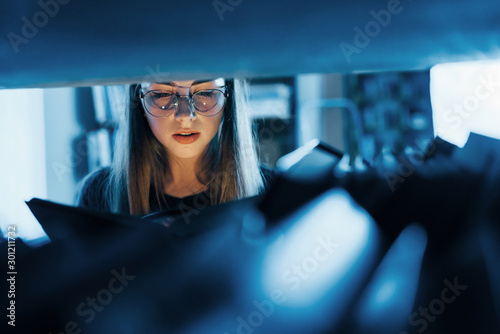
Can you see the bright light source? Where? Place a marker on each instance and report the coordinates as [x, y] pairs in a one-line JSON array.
[[23, 173], [466, 98]]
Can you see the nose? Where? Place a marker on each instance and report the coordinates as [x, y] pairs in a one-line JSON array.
[[184, 110]]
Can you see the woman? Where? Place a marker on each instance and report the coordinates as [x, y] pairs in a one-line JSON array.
[[183, 144]]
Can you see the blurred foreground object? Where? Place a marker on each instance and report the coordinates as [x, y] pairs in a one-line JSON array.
[[262, 265]]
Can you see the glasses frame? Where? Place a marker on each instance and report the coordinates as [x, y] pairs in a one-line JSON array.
[[225, 93]]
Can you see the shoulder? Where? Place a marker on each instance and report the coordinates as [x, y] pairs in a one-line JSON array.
[[93, 191]]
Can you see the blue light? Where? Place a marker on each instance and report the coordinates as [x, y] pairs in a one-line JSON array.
[[388, 299], [319, 260], [386, 292]]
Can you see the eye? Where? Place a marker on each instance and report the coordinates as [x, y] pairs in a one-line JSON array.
[[205, 100], [159, 95], [162, 99], [205, 93]]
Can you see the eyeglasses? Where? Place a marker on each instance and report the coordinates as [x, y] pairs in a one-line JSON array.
[[206, 102]]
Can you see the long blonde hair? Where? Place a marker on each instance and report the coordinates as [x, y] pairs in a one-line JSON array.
[[140, 169]]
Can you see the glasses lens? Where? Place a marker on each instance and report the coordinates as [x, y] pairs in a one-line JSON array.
[[160, 103], [208, 102]]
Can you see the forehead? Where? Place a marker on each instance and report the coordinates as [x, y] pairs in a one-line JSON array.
[[185, 83]]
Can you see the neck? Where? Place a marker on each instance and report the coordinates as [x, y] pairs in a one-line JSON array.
[[184, 181]]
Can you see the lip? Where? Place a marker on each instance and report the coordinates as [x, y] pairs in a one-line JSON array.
[[186, 139]]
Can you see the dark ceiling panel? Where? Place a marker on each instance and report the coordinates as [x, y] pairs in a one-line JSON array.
[[90, 42]]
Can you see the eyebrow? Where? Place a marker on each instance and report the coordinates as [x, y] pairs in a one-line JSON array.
[[196, 82]]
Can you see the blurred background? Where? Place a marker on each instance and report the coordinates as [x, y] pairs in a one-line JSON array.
[[52, 138]]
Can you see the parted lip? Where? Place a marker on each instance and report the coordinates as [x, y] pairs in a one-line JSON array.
[[184, 131]]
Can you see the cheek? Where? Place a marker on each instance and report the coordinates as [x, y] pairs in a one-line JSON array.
[[158, 126], [214, 125], [211, 128]]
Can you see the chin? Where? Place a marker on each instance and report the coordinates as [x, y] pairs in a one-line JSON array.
[[185, 154]]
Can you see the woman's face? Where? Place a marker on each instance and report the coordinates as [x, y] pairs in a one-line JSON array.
[[185, 134]]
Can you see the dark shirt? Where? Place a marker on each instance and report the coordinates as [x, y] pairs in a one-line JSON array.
[[94, 194]]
